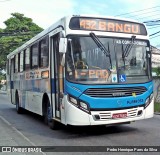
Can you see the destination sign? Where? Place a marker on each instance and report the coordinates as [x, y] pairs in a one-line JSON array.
[[108, 25]]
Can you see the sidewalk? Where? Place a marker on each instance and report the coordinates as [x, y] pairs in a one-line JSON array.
[[6, 133], [157, 113], [3, 92], [10, 137]]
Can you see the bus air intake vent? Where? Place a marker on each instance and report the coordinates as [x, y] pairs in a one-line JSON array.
[[115, 92]]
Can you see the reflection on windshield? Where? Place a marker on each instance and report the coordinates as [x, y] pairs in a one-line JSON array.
[[87, 63], [101, 46], [135, 62]]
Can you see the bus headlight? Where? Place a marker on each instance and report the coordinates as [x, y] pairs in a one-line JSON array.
[[83, 105], [149, 100], [73, 100], [151, 97], [79, 104]]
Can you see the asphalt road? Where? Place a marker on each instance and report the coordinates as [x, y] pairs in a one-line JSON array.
[[29, 130]]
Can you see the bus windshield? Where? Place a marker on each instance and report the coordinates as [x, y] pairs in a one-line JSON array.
[[87, 63]]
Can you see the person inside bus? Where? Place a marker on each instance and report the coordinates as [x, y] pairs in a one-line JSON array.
[[133, 61], [80, 63]]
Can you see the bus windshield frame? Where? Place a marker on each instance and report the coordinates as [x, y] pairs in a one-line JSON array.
[[86, 63]]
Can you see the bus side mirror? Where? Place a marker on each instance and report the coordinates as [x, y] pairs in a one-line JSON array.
[[63, 45]]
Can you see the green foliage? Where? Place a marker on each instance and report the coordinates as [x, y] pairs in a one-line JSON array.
[[157, 70], [2, 76], [19, 29], [156, 107], [19, 23], [1, 30]]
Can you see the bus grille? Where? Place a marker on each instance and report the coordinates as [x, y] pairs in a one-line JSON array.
[[108, 114], [115, 92]]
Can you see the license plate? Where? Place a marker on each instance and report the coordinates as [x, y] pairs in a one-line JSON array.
[[119, 115]]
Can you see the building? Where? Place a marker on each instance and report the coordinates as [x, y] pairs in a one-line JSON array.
[[155, 57]]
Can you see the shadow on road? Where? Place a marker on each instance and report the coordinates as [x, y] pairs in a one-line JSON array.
[[81, 131]]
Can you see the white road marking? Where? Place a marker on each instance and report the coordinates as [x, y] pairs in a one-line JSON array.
[[20, 133]]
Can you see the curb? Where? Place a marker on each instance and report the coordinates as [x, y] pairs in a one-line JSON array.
[[3, 92], [157, 113]]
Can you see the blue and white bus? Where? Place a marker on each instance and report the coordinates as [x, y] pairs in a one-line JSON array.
[[84, 70]]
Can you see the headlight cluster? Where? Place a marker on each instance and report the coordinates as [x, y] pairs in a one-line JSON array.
[[148, 100], [79, 104]]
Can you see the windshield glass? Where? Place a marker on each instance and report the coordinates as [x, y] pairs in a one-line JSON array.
[[111, 61]]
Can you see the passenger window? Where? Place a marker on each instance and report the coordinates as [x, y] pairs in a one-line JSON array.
[[27, 59], [44, 52], [21, 61], [34, 56], [16, 63]]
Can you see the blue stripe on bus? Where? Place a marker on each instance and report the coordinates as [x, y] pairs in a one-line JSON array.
[[53, 86], [35, 85], [11, 85], [77, 90]]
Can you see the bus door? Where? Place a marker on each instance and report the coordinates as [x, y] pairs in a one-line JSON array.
[[57, 74], [11, 80]]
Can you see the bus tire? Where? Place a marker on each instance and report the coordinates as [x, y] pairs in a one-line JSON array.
[[18, 108], [54, 125], [48, 117]]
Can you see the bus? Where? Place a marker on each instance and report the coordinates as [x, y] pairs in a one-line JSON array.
[[84, 71]]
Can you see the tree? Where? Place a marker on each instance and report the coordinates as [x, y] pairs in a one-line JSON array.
[[158, 71], [19, 29], [19, 23], [1, 30]]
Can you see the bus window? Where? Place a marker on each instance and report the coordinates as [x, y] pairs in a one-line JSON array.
[[21, 61], [44, 53], [34, 56], [16, 63], [27, 59]]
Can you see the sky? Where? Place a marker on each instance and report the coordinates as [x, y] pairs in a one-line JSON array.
[[45, 12]]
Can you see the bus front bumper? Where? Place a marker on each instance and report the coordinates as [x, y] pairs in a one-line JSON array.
[[77, 117]]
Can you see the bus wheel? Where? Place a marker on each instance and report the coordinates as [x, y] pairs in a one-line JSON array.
[[48, 117], [18, 108], [54, 125]]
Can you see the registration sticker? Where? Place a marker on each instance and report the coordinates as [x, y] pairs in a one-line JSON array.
[[119, 115]]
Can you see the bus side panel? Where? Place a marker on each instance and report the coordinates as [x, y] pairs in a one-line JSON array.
[[14, 87], [8, 87], [36, 90], [35, 102], [12, 96]]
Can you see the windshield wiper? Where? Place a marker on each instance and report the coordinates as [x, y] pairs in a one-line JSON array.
[[128, 47], [101, 46], [126, 51]]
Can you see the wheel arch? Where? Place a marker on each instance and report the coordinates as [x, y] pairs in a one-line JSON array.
[[45, 99], [16, 95]]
